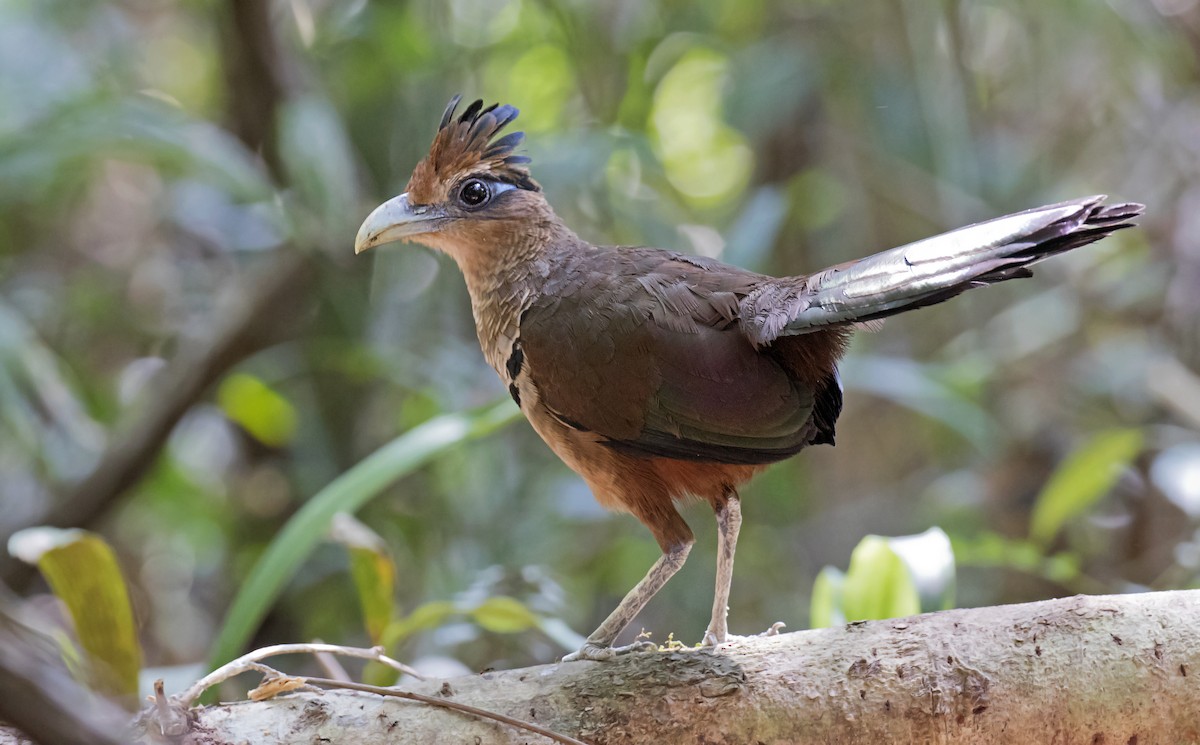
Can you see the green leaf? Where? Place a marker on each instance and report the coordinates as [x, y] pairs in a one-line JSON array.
[[504, 615], [825, 605], [1083, 478], [260, 410], [346, 493], [878, 584], [424, 617], [373, 571], [992, 550], [83, 573]]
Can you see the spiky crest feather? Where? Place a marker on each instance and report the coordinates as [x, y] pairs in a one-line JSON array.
[[464, 147]]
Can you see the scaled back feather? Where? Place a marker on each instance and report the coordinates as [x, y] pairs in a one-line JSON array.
[[464, 147]]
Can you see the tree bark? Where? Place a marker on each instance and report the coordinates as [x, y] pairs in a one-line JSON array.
[[1122, 669]]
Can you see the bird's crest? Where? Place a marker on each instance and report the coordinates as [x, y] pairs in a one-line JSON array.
[[464, 147]]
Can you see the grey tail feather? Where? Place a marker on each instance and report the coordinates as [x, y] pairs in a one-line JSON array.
[[932, 270]]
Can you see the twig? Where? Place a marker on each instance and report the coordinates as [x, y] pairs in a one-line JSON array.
[[447, 704], [172, 719], [331, 666], [249, 662]]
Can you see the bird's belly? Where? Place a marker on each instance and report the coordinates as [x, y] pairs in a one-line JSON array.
[[628, 483], [580, 451]]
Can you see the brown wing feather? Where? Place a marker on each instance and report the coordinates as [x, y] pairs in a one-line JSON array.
[[642, 347]]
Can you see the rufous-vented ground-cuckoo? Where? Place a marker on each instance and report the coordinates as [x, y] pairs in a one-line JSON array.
[[657, 375]]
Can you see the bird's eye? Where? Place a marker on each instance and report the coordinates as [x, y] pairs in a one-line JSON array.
[[474, 193]]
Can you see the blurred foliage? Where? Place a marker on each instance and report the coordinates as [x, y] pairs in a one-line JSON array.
[[137, 205], [887, 578], [300, 535], [1081, 479], [373, 570], [82, 571]]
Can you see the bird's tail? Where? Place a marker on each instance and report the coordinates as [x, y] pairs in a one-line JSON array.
[[938, 268]]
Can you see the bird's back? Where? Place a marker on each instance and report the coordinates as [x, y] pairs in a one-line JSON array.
[[646, 349]]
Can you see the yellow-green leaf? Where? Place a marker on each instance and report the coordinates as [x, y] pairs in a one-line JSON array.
[[825, 605], [83, 573], [504, 615], [878, 584], [424, 617], [260, 410], [373, 571], [1084, 477]]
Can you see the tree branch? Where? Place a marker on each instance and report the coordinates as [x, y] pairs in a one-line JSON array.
[[1111, 669], [257, 76]]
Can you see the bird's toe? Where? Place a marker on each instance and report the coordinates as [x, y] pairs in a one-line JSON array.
[[601, 653], [644, 645], [593, 652], [774, 630], [714, 639]]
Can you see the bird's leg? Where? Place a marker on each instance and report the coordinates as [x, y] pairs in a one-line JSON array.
[[599, 645], [729, 522], [676, 541]]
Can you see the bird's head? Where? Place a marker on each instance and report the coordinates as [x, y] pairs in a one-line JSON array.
[[466, 193]]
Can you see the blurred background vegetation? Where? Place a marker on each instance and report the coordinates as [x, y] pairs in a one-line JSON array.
[[189, 350]]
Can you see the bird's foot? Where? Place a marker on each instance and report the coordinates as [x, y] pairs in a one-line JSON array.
[[774, 630], [713, 639], [603, 653]]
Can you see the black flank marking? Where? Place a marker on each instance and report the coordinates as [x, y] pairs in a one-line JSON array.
[[516, 359], [826, 409]]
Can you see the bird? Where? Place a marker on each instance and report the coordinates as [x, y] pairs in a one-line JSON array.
[[660, 376]]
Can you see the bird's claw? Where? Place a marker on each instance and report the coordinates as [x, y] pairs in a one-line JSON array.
[[638, 646], [774, 630], [711, 640], [602, 653], [590, 651]]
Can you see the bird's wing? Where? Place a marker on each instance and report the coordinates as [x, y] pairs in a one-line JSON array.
[[641, 348]]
